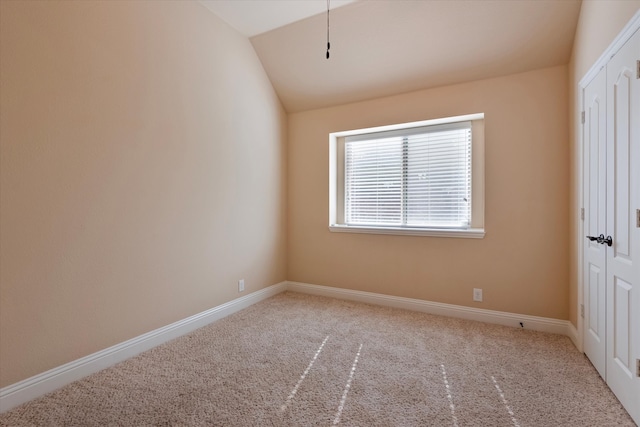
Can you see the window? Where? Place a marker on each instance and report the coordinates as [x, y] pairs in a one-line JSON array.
[[422, 178]]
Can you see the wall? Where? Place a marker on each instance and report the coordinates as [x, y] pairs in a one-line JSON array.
[[143, 155], [599, 24], [522, 263]]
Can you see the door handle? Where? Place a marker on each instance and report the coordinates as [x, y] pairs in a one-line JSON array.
[[601, 239]]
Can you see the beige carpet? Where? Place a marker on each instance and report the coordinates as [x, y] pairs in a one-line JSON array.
[[299, 360]]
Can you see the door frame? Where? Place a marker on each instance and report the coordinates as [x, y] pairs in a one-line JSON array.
[[632, 26]]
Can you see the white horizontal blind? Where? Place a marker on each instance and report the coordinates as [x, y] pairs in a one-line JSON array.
[[410, 178]]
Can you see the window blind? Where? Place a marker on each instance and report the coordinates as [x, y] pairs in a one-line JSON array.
[[417, 177]]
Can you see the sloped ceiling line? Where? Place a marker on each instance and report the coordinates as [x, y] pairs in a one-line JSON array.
[[385, 47]]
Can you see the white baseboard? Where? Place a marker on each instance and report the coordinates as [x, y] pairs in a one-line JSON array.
[[38, 385], [572, 333], [536, 323]]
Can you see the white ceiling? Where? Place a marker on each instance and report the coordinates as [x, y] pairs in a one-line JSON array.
[[253, 17], [386, 47]]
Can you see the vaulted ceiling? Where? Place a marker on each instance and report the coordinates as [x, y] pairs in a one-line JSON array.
[[386, 47]]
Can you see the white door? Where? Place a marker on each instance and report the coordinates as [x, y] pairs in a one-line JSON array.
[[594, 264], [623, 203]]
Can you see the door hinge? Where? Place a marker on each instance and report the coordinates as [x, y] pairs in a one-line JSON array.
[[582, 214], [638, 218], [638, 69], [582, 117], [582, 310], [637, 367]]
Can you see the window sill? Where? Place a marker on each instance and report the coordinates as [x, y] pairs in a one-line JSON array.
[[470, 233]]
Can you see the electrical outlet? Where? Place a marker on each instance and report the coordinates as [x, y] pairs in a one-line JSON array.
[[241, 285], [477, 294]]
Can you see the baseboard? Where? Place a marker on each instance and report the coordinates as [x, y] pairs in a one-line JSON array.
[[38, 385], [572, 333], [543, 324]]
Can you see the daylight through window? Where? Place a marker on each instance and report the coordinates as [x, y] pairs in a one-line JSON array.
[[415, 177], [421, 179]]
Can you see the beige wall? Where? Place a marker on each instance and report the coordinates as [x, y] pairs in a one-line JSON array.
[[599, 24], [522, 264], [142, 174]]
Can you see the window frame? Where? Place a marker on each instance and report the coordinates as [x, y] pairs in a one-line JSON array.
[[337, 176]]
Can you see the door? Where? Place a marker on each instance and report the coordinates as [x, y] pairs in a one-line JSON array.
[[623, 225], [595, 179], [611, 255]]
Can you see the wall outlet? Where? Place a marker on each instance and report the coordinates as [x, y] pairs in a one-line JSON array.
[[241, 285], [477, 294]]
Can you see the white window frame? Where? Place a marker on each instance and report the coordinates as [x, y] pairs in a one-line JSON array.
[[337, 173]]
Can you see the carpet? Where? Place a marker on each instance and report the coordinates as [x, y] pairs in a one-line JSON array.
[[302, 360]]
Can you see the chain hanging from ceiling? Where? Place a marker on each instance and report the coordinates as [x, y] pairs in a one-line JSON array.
[[328, 43]]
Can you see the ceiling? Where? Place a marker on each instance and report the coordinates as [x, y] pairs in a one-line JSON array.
[[253, 17], [386, 47]]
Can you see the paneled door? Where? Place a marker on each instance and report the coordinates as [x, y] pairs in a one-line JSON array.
[[623, 225], [611, 251], [595, 192]]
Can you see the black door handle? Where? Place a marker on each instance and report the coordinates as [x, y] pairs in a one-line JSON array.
[[601, 239]]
